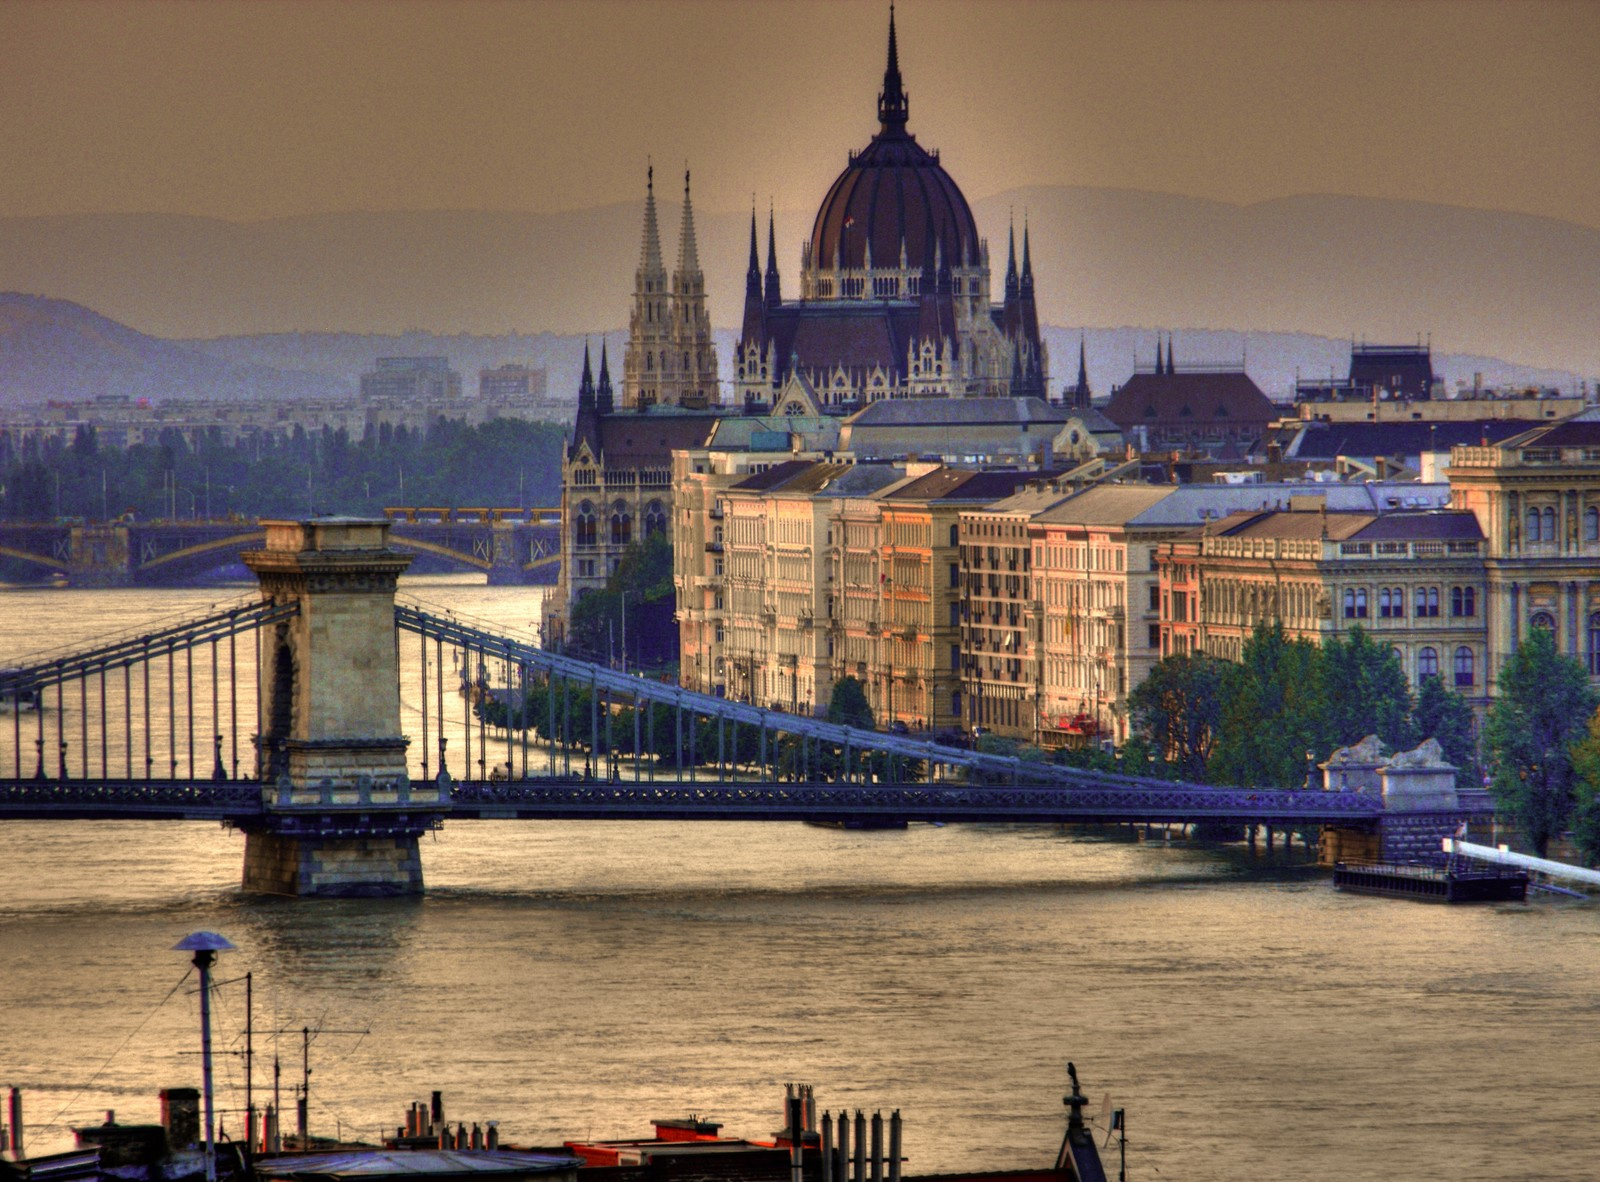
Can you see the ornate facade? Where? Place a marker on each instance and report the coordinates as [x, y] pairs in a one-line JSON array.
[[1537, 498], [894, 290]]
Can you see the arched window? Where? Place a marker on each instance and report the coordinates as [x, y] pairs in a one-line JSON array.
[[1543, 620], [1594, 645], [1427, 663], [621, 524], [1383, 603], [1463, 667], [655, 519], [584, 532], [1591, 524], [650, 364], [1427, 602], [1533, 525], [1549, 524], [1399, 603], [1361, 603]]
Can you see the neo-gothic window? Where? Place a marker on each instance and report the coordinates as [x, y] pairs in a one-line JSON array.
[[585, 529], [655, 519], [621, 524]]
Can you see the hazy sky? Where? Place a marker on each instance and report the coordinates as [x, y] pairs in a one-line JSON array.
[[261, 109]]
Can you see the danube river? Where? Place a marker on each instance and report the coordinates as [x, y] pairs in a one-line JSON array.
[[575, 979]]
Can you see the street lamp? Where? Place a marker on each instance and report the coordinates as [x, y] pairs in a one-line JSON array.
[[205, 946]]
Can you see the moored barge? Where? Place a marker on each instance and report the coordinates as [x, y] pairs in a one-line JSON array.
[[1432, 884]]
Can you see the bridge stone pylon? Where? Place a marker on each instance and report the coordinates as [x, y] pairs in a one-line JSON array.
[[341, 817]]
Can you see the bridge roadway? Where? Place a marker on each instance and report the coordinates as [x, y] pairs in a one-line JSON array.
[[242, 803]]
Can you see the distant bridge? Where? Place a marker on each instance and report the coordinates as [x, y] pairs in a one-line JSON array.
[[510, 546]]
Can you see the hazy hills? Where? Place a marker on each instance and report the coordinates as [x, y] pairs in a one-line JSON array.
[[54, 349], [1492, 284]]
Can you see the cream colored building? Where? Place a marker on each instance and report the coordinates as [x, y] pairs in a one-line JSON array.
[[1537, 498], [1412, 579]]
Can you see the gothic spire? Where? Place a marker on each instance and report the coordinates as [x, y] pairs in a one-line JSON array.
[[586, 384], [688, 252], [1027, 259], [752, 276], [1011, 261], [1172, 365], [893, 108], [1161, 366], [650, 264], [603, 399], [774, 289]]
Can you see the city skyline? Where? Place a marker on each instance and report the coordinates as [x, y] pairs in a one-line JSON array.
[[245, 112]]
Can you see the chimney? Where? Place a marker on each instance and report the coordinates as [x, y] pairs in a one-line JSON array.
[[14, 1138], [180, 1116]]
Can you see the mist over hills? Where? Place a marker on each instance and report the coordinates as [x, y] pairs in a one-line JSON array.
[[56, 350], [1510, 286]]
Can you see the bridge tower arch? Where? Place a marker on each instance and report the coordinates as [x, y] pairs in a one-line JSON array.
[[340, 818]]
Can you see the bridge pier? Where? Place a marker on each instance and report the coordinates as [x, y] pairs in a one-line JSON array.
[[340, 817]]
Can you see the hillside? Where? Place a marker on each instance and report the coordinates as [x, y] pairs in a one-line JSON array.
[[1490, 284], [55, 349]]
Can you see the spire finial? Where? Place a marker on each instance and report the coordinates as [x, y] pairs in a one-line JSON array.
[[892, 105]]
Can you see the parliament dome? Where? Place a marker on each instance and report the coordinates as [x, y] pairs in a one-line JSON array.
[[893, 191]]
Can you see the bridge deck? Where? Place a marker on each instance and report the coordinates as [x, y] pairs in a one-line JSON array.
[[675, 800]]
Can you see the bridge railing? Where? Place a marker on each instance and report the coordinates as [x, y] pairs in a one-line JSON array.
[[807, 743], [188, 689]]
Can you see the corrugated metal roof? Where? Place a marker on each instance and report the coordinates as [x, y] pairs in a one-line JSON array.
[[1191, 504], [958, 412]]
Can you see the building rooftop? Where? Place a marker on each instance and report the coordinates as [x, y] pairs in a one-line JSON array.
[[1106, 504]]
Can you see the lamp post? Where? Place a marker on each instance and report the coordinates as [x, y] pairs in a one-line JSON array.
[[624, 631], [205, 946]]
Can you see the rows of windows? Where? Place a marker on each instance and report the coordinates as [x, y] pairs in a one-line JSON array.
[[1425, 603], [1464, 665], [1541, 524]]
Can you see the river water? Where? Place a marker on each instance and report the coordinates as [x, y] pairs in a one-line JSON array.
[[570, 979]]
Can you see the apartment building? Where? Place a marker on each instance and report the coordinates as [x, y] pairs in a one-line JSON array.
[[1413, 579]]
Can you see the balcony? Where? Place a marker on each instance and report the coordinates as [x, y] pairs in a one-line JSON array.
[[713, 547]]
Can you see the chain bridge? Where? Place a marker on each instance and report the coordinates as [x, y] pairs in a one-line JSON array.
[[334, 724]]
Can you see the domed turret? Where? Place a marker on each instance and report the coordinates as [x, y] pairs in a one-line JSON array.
[[891, 203]]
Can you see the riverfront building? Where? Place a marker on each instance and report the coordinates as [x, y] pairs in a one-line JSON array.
[[1413, 579]]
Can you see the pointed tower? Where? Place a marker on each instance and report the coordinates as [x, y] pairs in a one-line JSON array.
[[1161, 366], [774, 290], [1172, 365], [649, 333], [1030, 345], [1078, 396], [752, 331], [691, 361], [894, 109], [603, 402], [586, 428]]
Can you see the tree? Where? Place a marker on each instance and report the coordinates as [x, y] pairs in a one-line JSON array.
[[1443, 714], [1365, 692], [1272, 712], [1586, 815], [643, 575], [1544, 701], [1179, 706], [848, 705]]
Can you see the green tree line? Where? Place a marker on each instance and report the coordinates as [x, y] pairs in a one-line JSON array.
[[501, 463], [1254, 721]]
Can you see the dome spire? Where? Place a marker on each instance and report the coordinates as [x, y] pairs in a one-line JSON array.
[[893, 109]]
